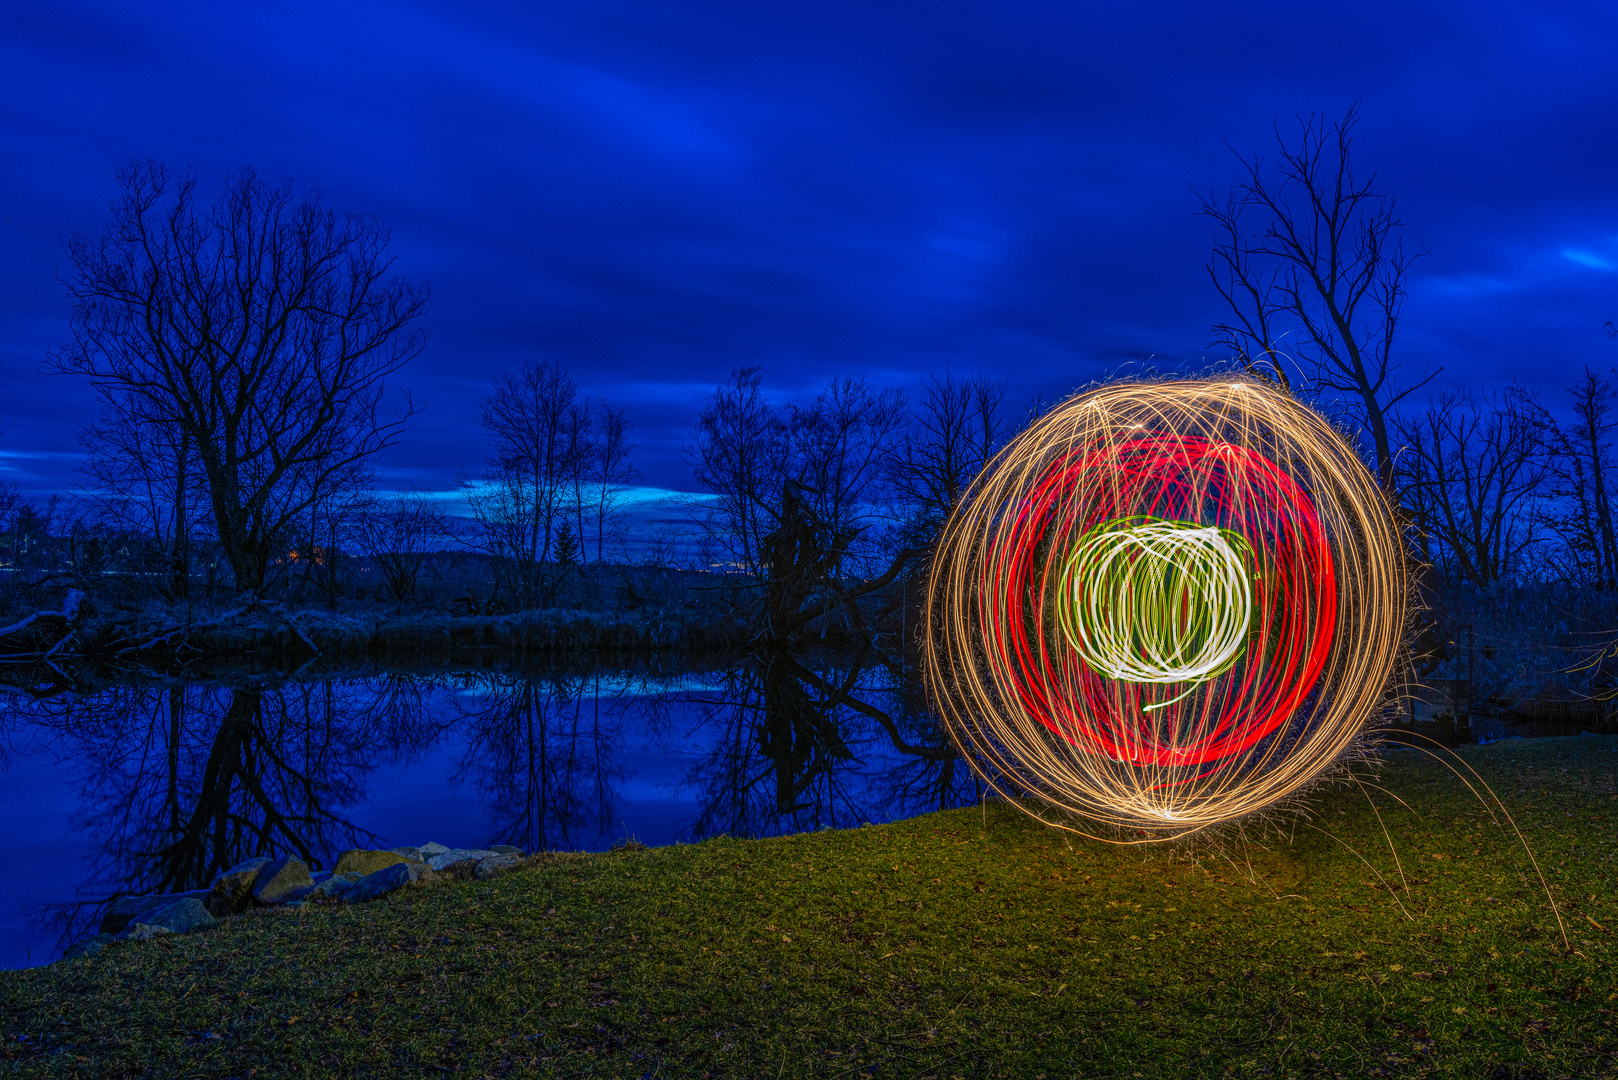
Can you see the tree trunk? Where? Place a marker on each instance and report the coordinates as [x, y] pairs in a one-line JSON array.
[[180, 561], [1607, 564]]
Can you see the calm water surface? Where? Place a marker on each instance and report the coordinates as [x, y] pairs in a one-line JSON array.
[[156, 785]]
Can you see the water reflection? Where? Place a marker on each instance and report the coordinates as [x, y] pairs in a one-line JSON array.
[[171, 782], [181, 781], [543, 751], [794, 747]]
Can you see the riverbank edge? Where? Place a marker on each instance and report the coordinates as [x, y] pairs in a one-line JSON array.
[[969, 942], [302, 633]]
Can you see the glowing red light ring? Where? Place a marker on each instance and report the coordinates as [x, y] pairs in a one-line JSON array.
[[1175, 477]]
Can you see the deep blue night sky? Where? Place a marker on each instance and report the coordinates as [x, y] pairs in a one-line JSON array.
[[657, 193]]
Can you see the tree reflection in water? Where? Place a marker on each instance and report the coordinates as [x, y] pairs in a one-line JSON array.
[[544, 750], [183, 781], [795, 747]]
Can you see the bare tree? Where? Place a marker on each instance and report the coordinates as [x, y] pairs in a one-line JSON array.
[[145, 478], [579, 451], [1584, 472], [840, 444], [956, 429], [611, 473], [397, 534], [747, 451], [259, 331], [504, 529], [741, 453], [528, 419], [1311, 249], [1475, 476]]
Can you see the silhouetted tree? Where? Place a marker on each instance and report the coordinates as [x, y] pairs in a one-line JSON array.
[[955, 430], [742, 453], [1309, 248], [255, 333], [1474, 474], [1584, 471], [527, 420], [146, 478], [610, 474], [746, 449], [397, 534]]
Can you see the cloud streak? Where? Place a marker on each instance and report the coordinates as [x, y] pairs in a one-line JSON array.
[[655, 194]]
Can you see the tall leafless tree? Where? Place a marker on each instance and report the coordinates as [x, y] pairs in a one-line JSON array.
[[840, 444], [1584, 471], [1311, 250], [747, 450], [397, 534], [144, 478], [1474, 472], [957, 426], [742, 453], [579, 457], [528, 420], [540, 475], [611, 474], [258, 331]]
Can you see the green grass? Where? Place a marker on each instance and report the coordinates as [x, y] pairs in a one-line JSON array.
[[940, 946]]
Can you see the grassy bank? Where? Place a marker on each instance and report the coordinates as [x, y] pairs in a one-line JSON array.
[[957, 944]]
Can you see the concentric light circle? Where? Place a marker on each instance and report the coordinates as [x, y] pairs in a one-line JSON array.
[[1165, 605], [1158, 601]]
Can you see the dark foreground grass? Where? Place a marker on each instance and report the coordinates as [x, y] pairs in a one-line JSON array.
[[938, 947]]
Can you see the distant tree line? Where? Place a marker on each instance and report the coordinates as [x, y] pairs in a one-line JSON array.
[[240, 352]]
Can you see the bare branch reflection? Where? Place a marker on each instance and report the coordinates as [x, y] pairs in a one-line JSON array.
[[544, 750], [180, 780], [793, 747], [183, 781]]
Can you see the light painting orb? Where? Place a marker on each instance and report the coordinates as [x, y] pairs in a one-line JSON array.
[[1164, 606]]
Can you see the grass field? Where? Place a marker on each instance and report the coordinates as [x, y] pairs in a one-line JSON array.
[[964, 944]]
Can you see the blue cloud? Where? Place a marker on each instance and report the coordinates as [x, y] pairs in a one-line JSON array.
[[1586, 258], [654, 194]]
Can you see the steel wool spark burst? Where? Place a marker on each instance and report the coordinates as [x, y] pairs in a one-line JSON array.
[[1165, 605]]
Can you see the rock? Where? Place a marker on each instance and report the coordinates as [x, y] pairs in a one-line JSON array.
[[122, 911], [129, 909], [497, 863], [332, 888], [362, 862], [317, 876], [458, 861], [429, 849], [412, 853], [180, 917], [233, 890], [506, 849], [388, 879], [88, 947], [143, 932], [277, 882]]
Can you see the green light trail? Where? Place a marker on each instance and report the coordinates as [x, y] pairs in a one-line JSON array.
[[1147, 600]]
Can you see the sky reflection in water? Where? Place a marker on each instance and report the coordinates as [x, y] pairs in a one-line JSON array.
[[156, 786]]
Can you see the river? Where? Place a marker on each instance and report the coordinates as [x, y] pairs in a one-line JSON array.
[[144, 784]]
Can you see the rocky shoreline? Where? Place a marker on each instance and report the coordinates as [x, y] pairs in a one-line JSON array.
[[263, 883]]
